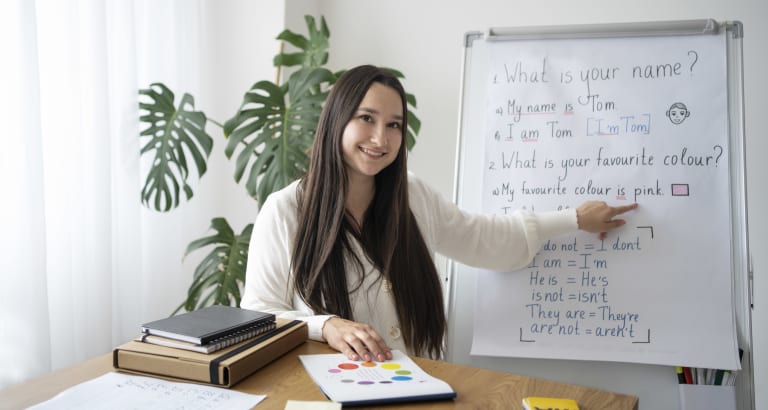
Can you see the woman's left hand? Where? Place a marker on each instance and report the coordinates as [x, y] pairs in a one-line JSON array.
[[598, 217]]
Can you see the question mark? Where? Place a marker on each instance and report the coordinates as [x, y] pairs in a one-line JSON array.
[[719, 151], [695, 59]]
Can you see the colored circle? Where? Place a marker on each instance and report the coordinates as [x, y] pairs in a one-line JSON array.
[[402, 378], [403, 372], [365, 382], [334, 371], [368, 364], [390, 366], [386, 382], [348, 366]]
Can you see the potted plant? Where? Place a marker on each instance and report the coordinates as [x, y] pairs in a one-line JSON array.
[[269, 138]]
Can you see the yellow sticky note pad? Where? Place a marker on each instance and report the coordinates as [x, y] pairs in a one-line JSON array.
[[549, 403], [311, 405]]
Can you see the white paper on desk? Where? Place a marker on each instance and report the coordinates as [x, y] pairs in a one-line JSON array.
[[116, 391], [361, 383]]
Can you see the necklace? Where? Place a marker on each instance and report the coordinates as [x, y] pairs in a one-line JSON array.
[[386, 285]]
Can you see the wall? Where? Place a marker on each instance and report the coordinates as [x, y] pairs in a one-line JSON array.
[[424, 40]]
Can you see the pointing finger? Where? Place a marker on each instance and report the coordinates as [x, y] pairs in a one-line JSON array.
[[618, 210]]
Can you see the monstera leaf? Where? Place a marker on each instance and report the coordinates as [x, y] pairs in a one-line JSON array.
[[172, 133], [274, 129], [221, 274], [314, 49]]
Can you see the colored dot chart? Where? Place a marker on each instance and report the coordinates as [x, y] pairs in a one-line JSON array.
[[367, 373], [353, 382]]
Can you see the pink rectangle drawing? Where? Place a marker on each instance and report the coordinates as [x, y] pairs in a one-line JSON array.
[[680, 190]]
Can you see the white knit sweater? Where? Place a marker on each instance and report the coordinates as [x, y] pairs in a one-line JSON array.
[[500, 243]]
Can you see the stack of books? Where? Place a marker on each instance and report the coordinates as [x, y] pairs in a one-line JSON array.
[[209, 329], [218, 345]]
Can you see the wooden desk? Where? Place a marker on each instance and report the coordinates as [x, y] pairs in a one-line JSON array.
[[286, 379]]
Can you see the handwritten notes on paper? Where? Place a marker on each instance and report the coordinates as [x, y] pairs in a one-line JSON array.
[[619, 120], [116, 391]]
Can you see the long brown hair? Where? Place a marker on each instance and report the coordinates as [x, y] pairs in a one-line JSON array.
[[389, 236]]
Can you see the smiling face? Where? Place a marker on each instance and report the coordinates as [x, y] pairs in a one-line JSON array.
[[372, 137], [677, 113]]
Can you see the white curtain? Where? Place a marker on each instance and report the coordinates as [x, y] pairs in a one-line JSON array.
[[82, 263]]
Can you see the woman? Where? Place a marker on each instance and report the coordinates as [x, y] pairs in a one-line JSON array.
[[348, 248]]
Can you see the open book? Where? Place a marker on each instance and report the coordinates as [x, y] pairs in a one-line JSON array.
[[362, 383]]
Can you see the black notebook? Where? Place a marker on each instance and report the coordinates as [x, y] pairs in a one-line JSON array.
[[205, 325], [213, 346]]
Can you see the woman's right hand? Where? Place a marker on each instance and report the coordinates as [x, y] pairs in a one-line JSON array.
[[599, 217], [358, 341]]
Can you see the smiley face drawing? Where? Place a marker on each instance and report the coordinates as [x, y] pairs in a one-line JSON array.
[[677, 113]]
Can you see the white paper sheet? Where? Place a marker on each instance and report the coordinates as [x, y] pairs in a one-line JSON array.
[[117, 391]]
